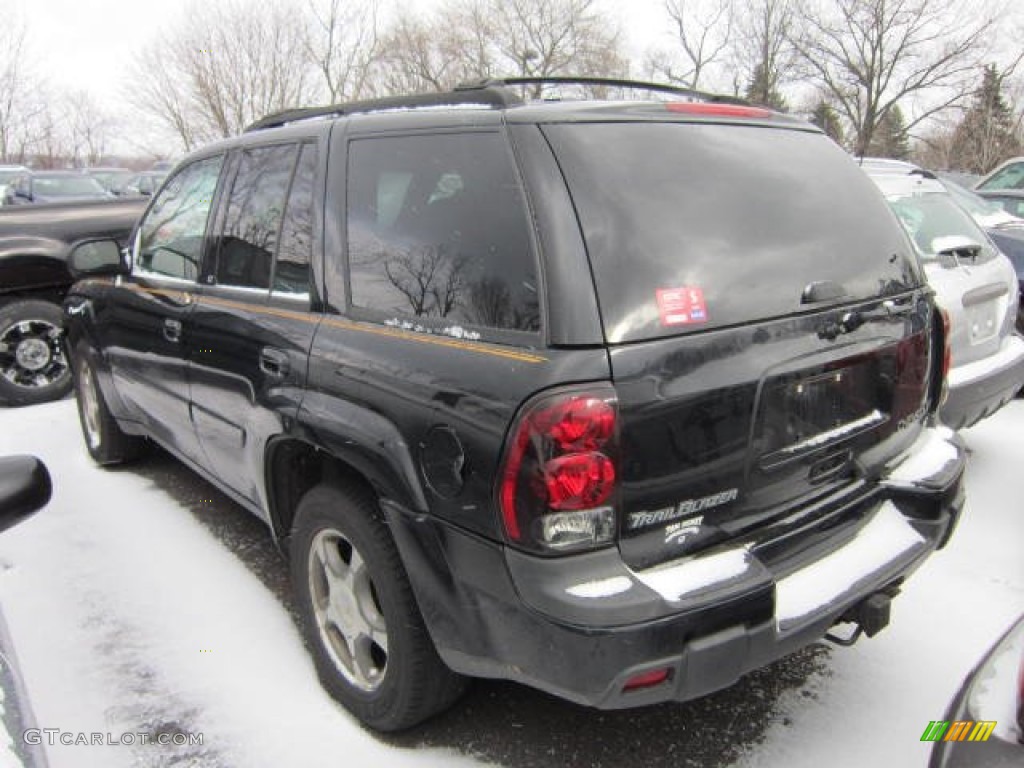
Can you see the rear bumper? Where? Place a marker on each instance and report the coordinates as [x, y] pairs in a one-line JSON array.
[[581, 626], [981, 388]]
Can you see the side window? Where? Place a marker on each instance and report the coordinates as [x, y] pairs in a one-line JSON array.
[[1011, 177], [252, 224], [437, 229], [291, 269], [171, 235]]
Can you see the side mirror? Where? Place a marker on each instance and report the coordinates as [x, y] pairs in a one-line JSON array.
[[95, 258], [24, 488]]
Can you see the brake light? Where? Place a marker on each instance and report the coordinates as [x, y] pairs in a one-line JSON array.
[[559, 478], [716, 110]]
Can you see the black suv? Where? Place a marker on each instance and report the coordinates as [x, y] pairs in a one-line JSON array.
[[619, 399]]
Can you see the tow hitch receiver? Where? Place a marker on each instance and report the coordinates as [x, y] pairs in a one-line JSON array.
[[871, 616]]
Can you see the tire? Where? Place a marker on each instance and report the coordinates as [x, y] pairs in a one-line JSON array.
[[104, 440], [34, 364], [371, 649]]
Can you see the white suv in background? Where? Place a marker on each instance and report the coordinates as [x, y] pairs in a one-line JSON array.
[[974, 283]]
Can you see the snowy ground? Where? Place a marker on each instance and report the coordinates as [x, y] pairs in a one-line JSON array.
[[141, 601]]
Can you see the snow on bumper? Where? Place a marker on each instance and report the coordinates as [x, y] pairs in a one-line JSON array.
[[885, 543], [918, 501], [583, 626]]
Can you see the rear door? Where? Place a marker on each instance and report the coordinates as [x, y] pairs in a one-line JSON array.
[[768, 332], [145, 335], [252, 327]]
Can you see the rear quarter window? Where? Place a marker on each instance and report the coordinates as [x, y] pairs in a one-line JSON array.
[[438, 235], [695, 226]]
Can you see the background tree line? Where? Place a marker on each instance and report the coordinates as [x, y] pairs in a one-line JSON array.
[[882, 77]]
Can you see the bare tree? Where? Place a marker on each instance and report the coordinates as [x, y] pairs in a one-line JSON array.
[[225, 66], [762, 51], [430, 278], [158, 92], [19, 90], [701, 33], [472, 39], [868, 55], [344, 44], [543, 38], [89, 127], [434, 53]]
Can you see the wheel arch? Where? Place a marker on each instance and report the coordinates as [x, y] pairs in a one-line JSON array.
[[294, 465]]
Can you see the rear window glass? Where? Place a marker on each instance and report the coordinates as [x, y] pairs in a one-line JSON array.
[[931, 218], [697, 226]]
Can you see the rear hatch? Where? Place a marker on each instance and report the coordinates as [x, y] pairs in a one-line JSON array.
[[768, 332]]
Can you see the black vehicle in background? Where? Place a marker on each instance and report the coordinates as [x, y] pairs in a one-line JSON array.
[[602, 397], [34, 277]]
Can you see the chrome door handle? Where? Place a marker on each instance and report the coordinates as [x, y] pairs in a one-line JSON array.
[[274, 362]]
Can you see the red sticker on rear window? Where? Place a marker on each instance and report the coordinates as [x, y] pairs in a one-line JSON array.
[[682, 306]]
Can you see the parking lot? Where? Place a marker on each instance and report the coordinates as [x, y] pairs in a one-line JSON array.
[[143, 601]]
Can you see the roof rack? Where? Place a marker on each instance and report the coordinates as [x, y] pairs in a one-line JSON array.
[[494, 98], [495, 93], [607, 82]]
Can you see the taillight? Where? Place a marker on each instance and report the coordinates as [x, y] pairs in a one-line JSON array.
[[559, 478], [947, 353]]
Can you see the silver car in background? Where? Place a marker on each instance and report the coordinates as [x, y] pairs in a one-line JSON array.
[[974, 283]]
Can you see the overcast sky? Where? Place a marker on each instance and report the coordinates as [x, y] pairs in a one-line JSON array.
[[90, 44]]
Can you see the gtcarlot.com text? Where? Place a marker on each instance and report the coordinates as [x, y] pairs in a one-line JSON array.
[[54, 736]]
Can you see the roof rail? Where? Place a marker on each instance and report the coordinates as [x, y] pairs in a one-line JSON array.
[[494, 93], [494, 98], [488, 83]]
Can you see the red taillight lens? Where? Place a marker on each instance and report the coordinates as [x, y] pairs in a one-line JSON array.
[[579, 480], [577, 424], [559, 475]]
